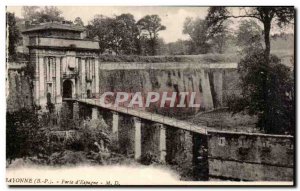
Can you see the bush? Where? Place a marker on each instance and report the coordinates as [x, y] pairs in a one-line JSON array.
[[94, 131], [21, 131], [149, 158]]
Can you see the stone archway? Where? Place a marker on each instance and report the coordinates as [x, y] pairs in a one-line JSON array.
[[67, 89]]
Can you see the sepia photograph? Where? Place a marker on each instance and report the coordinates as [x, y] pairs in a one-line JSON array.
[[150, 96]]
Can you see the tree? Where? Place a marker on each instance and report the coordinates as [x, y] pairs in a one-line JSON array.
[[203, 41], [78, 22], [29, 12], [42, 14], [276, 113], [101, 28], [161, 48], [127, 30], [142, 45], [249, 36], [151, 25], [197, 30], [220, 39], [180, 47], [266, 15], [13, 35], [141, 42], [118, 34]]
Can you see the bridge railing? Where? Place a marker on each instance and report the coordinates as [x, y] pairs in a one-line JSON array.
[[171, 121]]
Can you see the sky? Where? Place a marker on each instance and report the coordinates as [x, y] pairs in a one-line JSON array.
[[172, 17]]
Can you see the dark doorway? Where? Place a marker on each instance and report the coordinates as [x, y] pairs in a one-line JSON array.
[[67, 89], [88, 93]]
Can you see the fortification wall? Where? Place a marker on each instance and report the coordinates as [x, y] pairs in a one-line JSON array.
[[253, 157], [213, 86]]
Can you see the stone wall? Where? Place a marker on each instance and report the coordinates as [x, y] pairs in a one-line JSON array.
[[212, 86], [241, 156], [19, 92]]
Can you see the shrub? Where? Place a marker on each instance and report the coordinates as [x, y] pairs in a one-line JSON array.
[[21, 131], [94, 131], [149, 158]]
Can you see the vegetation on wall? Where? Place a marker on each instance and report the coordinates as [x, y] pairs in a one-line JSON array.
[[205, 58], [14, 36]]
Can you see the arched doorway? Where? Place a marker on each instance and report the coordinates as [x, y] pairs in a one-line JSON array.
[[88, 94], [67, 89]]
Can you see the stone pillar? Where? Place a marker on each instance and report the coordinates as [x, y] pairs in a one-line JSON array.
[[42, 93], [115, 130], [179, 148], [95, 113], [97, 77], [50, 61], [82, 77], [37, 80], [218, 87], [78, 79], [115, 126], [137, 138], [62, 68], [154, 140], [206, 90], [200, 157], [162, 143], [57, 81]]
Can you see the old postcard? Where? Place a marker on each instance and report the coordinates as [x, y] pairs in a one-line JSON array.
[[150, 95]]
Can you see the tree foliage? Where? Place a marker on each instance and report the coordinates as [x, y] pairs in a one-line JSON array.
[[180, 47], [249, 36], [202, 40], [127, 30], [150, 25], [100, 28], [42, 14], [266, 15], [14, 35], [267, 84], [268, 92], [21, 129], [118, 34], [197, 30], [78, 22], [123, 35]]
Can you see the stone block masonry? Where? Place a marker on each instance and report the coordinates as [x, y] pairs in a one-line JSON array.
[[256, 157]]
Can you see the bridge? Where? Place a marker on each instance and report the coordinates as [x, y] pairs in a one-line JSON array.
[[164, 120], [147, 132], [207, 152]]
